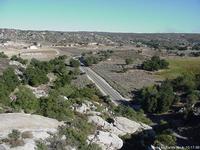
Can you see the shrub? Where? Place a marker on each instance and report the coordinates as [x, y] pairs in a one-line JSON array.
[[157, 99], [88, 61], [41, 145], [128, 61], [165, 139], [2, 55], [55, 107], [74, 63], [130, 113], [35, 76], [154, 64], [19, 59], [14, 139], [26, 100]]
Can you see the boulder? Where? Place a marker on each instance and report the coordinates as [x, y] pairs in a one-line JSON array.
[[106, 140]]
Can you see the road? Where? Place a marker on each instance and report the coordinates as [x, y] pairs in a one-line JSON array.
[[103, 86]]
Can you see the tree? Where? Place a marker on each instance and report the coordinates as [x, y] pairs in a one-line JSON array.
[[74, 63], [88, 61], [166, 97], [157, 99], [191, 99], [128, 61], [26, 100], [35, 76], [10, 79], [154, 64], [184, 83]]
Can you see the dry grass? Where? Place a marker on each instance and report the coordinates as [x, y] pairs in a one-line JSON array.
[[180, 66], [127, 82]]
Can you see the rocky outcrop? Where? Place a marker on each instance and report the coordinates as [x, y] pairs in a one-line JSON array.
[[121, 125], [106, 140], [104, 125], [108, 137], [128, 126], [38, 126], [86, 108]]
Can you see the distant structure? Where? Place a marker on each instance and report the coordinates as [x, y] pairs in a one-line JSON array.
[[33, 47]]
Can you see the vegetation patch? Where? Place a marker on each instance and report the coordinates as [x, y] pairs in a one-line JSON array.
[[180, 66]]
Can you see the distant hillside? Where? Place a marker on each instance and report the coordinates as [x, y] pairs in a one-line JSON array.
[[56, 37]]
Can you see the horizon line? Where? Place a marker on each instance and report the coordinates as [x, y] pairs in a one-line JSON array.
[[88, 31]]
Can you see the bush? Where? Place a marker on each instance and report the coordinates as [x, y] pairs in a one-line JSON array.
[[10, 79], [165, 139], [88, 61], [74, 63], [130, 113], [196, 47], [8, 82], [55, 107], [76, 132], [41, 145], [26, 100], [19, 59], [14, 139], [128, 61], [154, 64], [156, 99], [35, 76], [2, 55]]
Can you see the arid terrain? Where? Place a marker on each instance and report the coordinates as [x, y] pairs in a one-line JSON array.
[[105, 86]]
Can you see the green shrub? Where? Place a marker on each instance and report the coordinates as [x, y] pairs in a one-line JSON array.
[[26, 100], [128, 61], [165, 139], [34, 76], [74, 63], [157, 99], [19, 59], [15, 138], [2, 55], [154, 64], [130, 113]]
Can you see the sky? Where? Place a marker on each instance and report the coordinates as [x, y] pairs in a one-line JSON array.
[[136, 16]]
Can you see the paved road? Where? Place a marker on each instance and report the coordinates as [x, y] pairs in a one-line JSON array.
[[103, 86]]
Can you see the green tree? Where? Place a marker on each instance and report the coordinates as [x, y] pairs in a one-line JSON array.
[[154, 64], [10, 79], [74, 63], [35, 76], [26, 100]]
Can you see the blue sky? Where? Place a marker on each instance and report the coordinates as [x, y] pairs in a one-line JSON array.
[[102, 15]]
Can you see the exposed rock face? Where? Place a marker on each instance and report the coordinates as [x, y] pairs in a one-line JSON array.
[[100, 122], [128, 126], [121, 125], [16, 63], [39, 126], [86, 108], [19, 121], [106, 140]]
